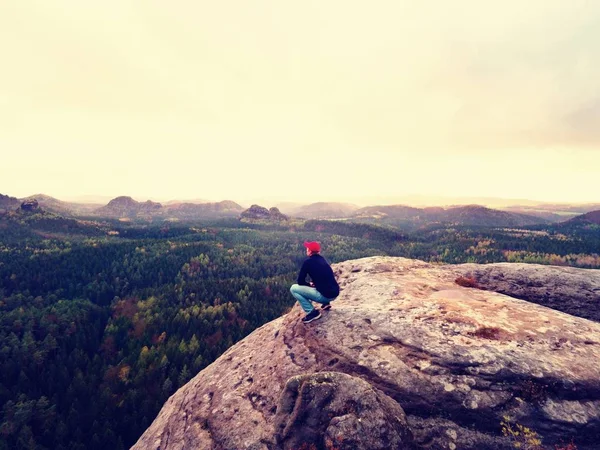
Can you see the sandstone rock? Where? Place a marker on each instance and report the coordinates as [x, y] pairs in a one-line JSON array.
[[30, 205], [256, 212], [275, 214], [566, 289], [335, 410], [455, 359]]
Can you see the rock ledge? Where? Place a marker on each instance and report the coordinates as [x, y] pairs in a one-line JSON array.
[[410, 358]]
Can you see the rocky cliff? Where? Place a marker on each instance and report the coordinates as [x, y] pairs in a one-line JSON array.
[[409, 357]]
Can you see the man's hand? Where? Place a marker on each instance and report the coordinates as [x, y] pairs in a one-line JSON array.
[[311, 284]]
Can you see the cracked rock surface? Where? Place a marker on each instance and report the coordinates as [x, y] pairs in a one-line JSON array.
[[451, 362], [340, 411], [566, 289]]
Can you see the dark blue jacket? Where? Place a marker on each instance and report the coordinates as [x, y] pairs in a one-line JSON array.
[[321, 274]]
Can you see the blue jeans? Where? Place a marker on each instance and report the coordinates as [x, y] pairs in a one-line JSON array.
[[304, 295]]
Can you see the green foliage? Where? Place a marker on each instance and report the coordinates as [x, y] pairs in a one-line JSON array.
[[96, 333], [550, 245], [521, 437], [101, 322], [525, 438]]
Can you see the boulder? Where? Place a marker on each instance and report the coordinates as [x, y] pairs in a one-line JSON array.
[[335, 410]]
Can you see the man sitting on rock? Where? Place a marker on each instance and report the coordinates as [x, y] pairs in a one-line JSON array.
[[322, 289]]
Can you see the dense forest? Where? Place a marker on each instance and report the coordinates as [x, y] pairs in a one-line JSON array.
[[101, 321]]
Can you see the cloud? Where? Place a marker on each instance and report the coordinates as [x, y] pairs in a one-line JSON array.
[[353, 86]]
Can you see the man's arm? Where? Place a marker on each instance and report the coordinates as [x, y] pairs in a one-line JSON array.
[[302, 275]]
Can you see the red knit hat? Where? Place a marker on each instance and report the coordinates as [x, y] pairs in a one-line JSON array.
[[313, 246]]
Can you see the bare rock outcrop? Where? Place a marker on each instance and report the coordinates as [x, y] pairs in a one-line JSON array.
[[455, 360], [339, 411], [257, 212], [566, 289], [30, 205]]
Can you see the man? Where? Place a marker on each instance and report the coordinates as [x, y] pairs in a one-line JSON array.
[[322, 289]]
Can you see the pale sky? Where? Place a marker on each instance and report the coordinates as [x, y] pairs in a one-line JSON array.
[[300, 101]]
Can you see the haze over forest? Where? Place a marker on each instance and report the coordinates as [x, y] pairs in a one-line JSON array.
[[300, 102]]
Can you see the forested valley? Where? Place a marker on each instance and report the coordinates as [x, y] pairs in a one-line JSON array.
[[100, 322]]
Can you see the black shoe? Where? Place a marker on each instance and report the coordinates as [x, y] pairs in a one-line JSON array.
[[325, 306], [313, 315]]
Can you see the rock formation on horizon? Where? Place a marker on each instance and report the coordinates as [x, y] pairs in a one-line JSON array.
[[257, 212], [30, 205], [411, 356]]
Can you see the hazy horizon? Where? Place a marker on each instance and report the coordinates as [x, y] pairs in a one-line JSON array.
[[415, 200], [301, 102]]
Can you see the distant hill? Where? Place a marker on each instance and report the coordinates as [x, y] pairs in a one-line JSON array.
[[590, 218], [195, 201], [535, 212], [88, 199], [190, 211], [392, 212], [325, 210], [473, 215], [126, 207], [257, 212], [289, 207], [422, 201], [554, 212], [51, 204], [482, 216], [562, 208], [30, 221], [8, 203]]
